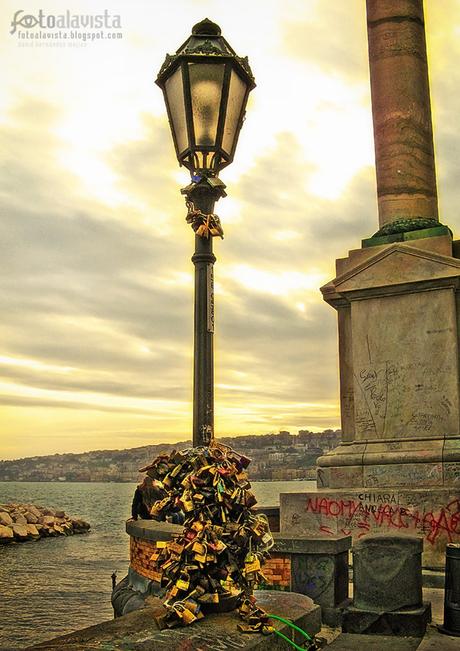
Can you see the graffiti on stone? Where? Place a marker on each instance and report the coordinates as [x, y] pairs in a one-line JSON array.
[[381, 511], [406, 396]]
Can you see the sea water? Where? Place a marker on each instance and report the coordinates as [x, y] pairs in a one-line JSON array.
[[54, 586]]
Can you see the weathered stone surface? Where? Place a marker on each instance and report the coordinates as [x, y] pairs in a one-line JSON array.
[[32, 531], [20, 531], [30, 517], [34, 510], [80, 525], [387, 573], [6, 534], [47, 519], [442, 244], [38, 522], [5, 518], [408, 622], [357, 642], [431, 514], [216, 632], [406, 179], [399, 315], [436, 641], [19, 518], [399, 384]]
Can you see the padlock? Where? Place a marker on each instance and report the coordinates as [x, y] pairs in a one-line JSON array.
[[200, 558], [250, 567], [198, 547], [175, 547], [184, 582]]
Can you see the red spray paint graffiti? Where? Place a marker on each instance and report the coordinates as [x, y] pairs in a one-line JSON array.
[[360, 516]]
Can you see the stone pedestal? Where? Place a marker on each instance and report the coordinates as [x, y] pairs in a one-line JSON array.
[[387, 588], [387, 573], [411, 622], [314, 566], [398, 466]]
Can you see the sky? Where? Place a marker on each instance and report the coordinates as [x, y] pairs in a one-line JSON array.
[[96, 282]]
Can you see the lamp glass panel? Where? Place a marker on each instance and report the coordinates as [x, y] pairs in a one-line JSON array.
[[236, 94], [206, 81], [175, 94]]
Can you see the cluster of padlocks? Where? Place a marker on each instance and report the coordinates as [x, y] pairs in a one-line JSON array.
[[214, 564]]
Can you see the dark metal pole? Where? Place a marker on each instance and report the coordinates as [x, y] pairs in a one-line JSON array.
[[451, 624], [203, 197]]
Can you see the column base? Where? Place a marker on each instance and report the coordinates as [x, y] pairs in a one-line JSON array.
[[404, 623], [396, 463]]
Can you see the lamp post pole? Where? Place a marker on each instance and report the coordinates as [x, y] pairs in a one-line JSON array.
[[203, 198], [206, 86]]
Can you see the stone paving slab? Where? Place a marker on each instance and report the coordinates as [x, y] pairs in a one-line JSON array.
[[353, 642], [137, 631], [436, 641]]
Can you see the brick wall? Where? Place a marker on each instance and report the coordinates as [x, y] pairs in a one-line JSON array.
[[140, 552], [277, 569]]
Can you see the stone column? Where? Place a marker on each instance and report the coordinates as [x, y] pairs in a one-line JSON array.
[[397, 469], [404, 155]]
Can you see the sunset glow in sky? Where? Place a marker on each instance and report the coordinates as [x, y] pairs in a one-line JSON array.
[[96, 281]]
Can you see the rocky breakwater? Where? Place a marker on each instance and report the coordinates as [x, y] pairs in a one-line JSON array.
[[22, 522]]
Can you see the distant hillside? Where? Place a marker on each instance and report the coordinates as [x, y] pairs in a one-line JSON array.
[[274, 456]]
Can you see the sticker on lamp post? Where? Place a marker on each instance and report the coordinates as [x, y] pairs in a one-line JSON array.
[[210, 296]]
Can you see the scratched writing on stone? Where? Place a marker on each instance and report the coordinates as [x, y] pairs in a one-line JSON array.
[[200, 641], [403, 396]]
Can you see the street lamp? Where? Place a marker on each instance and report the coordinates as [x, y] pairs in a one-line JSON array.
[[205, 87]]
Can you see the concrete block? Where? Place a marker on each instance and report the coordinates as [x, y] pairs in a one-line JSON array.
[[404, 623], [138, 630], [432, 514], [387, 573]]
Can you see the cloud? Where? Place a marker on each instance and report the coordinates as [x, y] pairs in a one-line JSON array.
[[333, 38], [98, 294], [97, 287]]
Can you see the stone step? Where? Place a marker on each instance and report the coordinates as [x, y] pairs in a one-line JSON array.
[[138, 631]]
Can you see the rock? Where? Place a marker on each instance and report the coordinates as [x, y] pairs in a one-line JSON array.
[[22, 522], [20, 531], [34, 510], [19, 518], [80, 525], [47, 519], [32, 531], [6, 534], [5, 518], [30, 517]]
